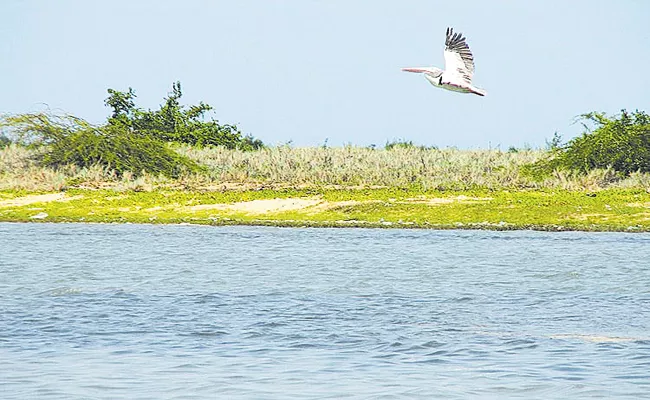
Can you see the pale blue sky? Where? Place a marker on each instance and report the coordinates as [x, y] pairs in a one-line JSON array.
[[308, 70]]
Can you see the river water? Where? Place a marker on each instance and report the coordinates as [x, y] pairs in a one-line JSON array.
[[195, 312]]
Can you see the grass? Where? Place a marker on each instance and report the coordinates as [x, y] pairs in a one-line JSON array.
[[607, 210], [342, 167]]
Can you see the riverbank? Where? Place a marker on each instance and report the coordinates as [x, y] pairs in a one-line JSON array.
[[551, 210]]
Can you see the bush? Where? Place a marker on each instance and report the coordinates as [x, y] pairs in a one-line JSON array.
[[69, 140], [176, 123], [622, 144], [4, 141], [132, 140], [406, 144]]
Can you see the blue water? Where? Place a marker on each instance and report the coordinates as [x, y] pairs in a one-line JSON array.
[[189, 312]]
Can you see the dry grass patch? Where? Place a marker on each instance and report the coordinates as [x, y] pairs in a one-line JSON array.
[[37, 198], [348, 167], [262, 206], [317, 204]]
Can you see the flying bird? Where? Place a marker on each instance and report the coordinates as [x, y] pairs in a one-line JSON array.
[[459, 67]]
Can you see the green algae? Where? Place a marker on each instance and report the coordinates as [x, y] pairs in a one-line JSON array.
[[553, 210]]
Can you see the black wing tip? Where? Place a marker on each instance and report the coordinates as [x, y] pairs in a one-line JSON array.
[[454, 38]]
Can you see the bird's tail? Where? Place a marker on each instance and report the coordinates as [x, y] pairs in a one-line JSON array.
[[478, 91]]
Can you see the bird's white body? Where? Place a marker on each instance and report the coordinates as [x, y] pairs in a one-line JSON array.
[[459, 67]]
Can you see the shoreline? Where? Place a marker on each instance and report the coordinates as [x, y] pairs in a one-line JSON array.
[[609, 210], [334, 225]]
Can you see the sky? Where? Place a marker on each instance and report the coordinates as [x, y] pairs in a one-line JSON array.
[[310, 72]]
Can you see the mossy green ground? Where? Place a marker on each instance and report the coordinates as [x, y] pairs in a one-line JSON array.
[[606, 210]]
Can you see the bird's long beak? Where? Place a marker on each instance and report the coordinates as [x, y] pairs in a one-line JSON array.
[[417, 70]]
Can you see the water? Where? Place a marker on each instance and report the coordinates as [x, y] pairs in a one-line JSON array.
[[186, 312]]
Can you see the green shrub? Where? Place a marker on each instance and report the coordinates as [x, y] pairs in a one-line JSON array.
[[4, 141], [406, 144], [132, 140], [176, 123], [622, 144], [73, 141]]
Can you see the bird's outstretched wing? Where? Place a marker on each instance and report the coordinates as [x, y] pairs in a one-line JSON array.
[[458, 58]]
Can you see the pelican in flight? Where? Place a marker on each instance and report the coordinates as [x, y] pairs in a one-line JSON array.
[[459, 67]]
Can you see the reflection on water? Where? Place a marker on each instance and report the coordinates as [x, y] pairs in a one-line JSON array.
[[139, 311]]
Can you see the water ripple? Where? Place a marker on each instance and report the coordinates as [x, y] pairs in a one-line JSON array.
[[106, 311]]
